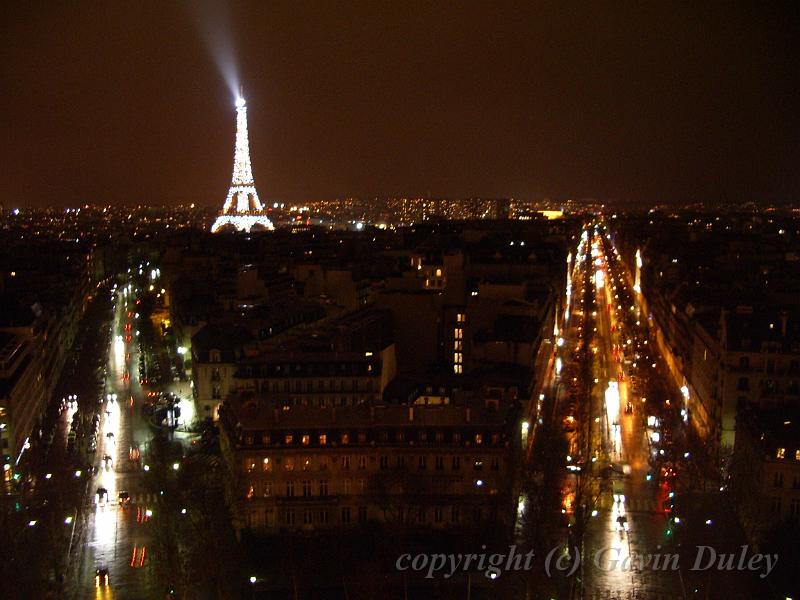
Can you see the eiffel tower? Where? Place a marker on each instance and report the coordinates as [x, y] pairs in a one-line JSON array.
[[242, 210]]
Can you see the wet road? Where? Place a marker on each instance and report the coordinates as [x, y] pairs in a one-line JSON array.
[[116, 536], [630, 523]]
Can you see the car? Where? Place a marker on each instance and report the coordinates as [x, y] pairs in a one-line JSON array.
[[108, 462], [102, 495], [124, 498], [101, 577]]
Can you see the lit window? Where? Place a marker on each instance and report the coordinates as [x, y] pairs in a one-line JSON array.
[[306, 440], [289, 464], [249, 464], [478, 438], [267, 464], [797, 454], [438, 272], [250, 492], [289, 438], [781, 452], [457, 369], [457, 357], [458, 333], [461, 318], [457, 345], [323, 439], [345, 438]]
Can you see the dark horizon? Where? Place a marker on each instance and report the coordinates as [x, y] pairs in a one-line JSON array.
[[111, 105]]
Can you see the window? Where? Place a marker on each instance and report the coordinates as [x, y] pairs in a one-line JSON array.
[[455, 515], [456, 437], [780, 453], [478, 439], [458, 333], [306, 440], [456, 463], [267, 489], [776, 505], [269, 517], [214, 356], [216, 393], [346, 486], [458, 345], [307, 518], [345, 439], [478, 465], [384, 462], [401, 462], [797, 454], [266, 439], [251, 491], [307, 464], [288, 464], [249, 465], [266, 465], [794, 508], [362, 437], [457, 369], [439, 436], [495, 466], [306, 488], [345, 463], [400, 436], [422, 463], [345, 514], [457, 357], [461, 318], [439, 463], [288, 439], [290, 517], [423, 436], [323, 439], [362, 462], [744, 363], [323, 487], [290, 489], [777, 480], [437, 515], [323, 516]]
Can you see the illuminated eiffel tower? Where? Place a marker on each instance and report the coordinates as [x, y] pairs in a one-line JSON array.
[[242, 209]]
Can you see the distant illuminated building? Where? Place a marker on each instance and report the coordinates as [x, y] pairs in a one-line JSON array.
[[242, 210]]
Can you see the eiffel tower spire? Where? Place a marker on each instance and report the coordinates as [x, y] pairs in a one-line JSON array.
[[242, 209]]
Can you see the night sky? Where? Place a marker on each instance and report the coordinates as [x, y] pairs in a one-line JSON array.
[[125, 102]]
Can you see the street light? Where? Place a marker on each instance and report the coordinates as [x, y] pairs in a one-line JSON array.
[[253, 579]]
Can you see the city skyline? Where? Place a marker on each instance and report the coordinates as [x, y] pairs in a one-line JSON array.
[[653, 106]]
